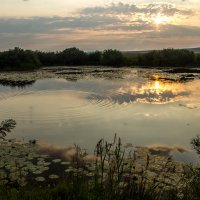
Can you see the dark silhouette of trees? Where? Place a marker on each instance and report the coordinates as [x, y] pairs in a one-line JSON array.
[[48, 58], [167, 57], [19, 59], [112, 58], [197, 60], [94, 58], [73, 56]]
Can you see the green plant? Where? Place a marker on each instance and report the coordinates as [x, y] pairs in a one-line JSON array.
[[112, 174], [6, 127], [196, 144]]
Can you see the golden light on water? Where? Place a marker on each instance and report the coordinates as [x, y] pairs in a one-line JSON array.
[[157, 85], [162, 92], [154, 91]]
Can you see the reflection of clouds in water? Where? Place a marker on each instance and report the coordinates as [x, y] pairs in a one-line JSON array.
[[193, 101], [148, 97], [58, 151], [151, 92], [165, 150], [66, 153], [177, 152]]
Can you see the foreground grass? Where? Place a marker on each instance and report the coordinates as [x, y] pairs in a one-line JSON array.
[[81, 190], [112, 174]]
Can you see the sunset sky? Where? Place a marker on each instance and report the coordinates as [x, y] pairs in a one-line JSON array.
[[96, 25]]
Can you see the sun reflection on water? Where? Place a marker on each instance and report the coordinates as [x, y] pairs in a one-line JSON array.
[[157, 85], [154, 92]]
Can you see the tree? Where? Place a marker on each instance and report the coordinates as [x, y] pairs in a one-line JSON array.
[[197, 60], [19, 59], [48, 58], [112, 58], [94, 58], [167, 57], [73, 56]]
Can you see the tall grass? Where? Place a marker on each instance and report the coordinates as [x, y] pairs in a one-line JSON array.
[[112, 175]]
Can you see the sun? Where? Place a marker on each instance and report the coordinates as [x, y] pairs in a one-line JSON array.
[[161, 19], [157, 85]]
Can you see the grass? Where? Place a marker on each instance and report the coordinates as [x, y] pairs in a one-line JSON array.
[[113, 174]]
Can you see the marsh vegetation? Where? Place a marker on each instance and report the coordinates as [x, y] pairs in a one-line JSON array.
[[114, 171]]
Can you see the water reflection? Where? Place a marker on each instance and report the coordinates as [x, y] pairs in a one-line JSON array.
[[16, 83], [138, 108], [155, 92]]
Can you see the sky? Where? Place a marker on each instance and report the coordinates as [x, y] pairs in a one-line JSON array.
[[53, 25]]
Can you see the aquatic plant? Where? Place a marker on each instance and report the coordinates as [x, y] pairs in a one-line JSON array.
[[196, 144], [114, 172], [6, 127], [191, 176]]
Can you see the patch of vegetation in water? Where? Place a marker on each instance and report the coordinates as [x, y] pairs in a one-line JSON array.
[[183, 70], [182, 75], [22, 79], [16, 83]]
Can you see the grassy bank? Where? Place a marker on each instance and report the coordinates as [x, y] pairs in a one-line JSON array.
[[114, 171]]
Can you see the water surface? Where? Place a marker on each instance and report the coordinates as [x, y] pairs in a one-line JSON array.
[[144, 107]]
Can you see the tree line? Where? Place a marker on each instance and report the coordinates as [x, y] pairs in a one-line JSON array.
[[19, 59]]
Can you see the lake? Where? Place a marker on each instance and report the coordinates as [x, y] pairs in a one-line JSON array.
[[66, 106]]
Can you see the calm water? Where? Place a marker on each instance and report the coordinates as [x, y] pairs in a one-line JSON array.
[[144, 107]]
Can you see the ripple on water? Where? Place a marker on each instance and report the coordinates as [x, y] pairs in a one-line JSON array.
[[48, 106], [9, 95], [111, 100]]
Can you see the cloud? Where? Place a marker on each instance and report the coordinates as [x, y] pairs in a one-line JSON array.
[[111, 17], [113, 8], [121, 26], [172, 31], [127, 9], [53, 24]]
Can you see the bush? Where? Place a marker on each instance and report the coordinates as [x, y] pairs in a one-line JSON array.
[[112, 58], [167, 57], [19, 59], [73, 56]]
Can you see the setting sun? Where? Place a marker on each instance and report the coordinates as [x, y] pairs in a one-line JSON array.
[[161, 19]]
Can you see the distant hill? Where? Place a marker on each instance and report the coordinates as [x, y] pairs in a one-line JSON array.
[[128, 53], [195, 50]]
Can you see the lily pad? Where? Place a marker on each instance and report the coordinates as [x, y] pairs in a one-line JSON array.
[[40, 179], [53, 176], [56, 160]]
